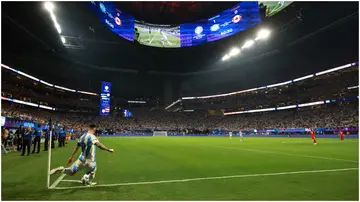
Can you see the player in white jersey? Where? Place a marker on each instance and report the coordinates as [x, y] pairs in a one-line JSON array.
[[230, 134], [164, 38], [241, 136], [87, 159]]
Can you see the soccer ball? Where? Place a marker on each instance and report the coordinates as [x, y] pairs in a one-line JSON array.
[[85, 179]]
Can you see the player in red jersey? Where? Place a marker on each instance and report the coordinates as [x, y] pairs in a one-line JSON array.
[[341, 135], [313, 136]]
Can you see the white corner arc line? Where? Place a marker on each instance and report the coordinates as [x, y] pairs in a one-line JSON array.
[[288, 154], [209, 178], [57, 181]]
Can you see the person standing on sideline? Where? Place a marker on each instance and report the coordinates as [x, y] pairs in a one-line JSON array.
[[62, 135], [37, 139], [26, 141], [19, 135], [53, 137], [47, 137]]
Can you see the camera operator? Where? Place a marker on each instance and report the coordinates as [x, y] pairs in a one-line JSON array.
[[4, 136]]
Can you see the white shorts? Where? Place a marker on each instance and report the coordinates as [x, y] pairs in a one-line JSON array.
[[164, 38], [89, 165]]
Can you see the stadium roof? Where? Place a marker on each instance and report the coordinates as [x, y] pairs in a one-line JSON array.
[[307, 37]]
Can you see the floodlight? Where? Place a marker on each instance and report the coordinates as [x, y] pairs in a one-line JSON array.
[[63, 39], [49, 6], [53, 17], [57, 26], [225, 57], [234, 51], [248, 44], [263, 34]]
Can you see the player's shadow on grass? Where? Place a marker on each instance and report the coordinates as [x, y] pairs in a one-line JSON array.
[[114, 189]]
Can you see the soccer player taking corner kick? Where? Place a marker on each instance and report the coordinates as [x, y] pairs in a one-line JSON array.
[[87, 143]]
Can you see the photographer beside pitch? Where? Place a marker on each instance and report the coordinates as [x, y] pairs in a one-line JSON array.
[[87, 142]]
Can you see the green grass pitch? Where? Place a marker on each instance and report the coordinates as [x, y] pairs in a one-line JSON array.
[[154, 39], [276, 6], [196, 168]]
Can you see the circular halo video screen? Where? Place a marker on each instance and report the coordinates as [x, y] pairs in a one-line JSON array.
[[231, 21]]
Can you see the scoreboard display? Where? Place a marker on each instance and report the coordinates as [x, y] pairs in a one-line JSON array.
[[119, 22], [231, 21], [105, 98], [234, 20]]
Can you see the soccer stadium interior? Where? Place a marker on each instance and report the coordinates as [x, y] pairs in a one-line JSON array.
[[253, 100]]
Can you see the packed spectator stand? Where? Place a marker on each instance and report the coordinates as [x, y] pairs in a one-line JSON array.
[[336, 86]]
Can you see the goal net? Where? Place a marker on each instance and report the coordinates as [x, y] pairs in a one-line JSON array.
[[160, 133]]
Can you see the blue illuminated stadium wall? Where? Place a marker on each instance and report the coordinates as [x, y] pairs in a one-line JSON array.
[[105, 98], [229, 22], [115, 19]]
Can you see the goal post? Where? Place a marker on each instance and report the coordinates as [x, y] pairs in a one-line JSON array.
[[160, 133]]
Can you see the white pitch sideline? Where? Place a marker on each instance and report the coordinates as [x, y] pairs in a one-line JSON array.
[[209, 178]]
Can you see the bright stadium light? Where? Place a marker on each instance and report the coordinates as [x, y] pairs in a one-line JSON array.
[[225, 57], [234, 52], [248, 44], [49, 6], [57, 26], [263, 34], [63, 39]]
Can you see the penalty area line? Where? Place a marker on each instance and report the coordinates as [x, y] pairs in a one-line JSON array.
[[209, 178]]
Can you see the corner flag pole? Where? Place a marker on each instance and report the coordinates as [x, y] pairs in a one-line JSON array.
[[49, 155]]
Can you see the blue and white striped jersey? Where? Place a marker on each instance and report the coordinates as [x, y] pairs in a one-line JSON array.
[[87, 143]]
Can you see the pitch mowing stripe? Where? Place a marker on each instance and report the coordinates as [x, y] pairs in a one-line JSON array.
[[288, 154], [57, 181], [209, 178]]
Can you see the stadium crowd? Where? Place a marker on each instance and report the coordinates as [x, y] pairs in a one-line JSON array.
[[342, 114], [328, 86]]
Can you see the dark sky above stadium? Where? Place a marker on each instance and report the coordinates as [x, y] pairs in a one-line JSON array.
[[306, 38]]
